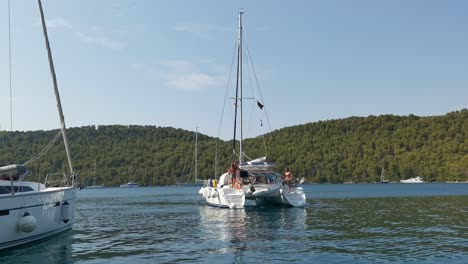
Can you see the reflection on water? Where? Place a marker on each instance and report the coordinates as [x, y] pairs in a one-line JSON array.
[[57, 249], [160, 225], [238, 233]]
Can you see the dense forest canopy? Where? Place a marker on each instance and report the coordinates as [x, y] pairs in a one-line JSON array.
[[347, 150]]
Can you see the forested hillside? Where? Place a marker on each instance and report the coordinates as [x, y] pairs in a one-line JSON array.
[[346, 150]]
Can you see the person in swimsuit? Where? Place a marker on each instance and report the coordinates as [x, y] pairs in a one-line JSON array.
[[233, 171], [287, 178]]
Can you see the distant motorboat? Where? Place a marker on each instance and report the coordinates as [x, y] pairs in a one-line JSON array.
[[413, 180], [130, 184], [96, 187]]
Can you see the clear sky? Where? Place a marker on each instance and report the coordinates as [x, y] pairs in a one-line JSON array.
[[166, 63]]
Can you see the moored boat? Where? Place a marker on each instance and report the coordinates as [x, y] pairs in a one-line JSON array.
[[417, 179], [248, 183], [30, 211], [130, 184]]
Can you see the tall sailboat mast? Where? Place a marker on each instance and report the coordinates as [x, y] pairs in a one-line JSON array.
[[241, 147], [238, 99], [57, 94], [196, 155]]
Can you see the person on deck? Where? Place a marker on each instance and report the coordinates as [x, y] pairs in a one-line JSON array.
[[234, 171], [287, 178]]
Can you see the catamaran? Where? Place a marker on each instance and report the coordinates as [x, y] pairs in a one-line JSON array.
[[256, 181], [30, 211]]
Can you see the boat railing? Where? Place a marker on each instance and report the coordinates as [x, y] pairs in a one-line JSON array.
[[56, 180]]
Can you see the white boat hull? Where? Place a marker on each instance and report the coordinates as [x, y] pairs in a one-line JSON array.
[[413, 180], [52, 209], [223, 197], [95, 187], [266, 191], [294, 198]]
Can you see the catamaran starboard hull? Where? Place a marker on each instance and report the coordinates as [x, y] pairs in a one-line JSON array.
[[223, 197]]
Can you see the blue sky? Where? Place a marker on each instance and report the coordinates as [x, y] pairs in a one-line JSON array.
[[166, 63]]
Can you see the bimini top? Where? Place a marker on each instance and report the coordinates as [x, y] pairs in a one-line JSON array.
[[12, 171], [259, 164]]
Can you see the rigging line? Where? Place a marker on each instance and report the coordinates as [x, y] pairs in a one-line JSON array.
[[261, 97], [44, 150], [250, 65], [9, 57], [224, 107], [258, 87]]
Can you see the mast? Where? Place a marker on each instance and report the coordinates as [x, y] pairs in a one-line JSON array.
[[94, 179], [382, 174], [9, 60], [237, 93], [196, 154], [241, 147], [56, 91]]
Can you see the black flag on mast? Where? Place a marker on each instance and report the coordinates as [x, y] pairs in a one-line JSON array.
[[259, 105]]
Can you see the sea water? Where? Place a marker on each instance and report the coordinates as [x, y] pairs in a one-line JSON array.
[[353, 223]]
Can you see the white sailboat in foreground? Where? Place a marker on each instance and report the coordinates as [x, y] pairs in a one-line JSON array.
[[256, 182], [30, 211]]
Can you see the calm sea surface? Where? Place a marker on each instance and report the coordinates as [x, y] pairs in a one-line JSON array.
[[356, 223]]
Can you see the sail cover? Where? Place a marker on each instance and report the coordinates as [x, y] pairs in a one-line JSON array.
[[13, 171]]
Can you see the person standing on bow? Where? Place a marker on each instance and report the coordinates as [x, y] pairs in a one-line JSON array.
[[287, 178]]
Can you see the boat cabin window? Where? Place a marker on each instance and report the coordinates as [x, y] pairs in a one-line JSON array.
[[244, 174], [17, 189]]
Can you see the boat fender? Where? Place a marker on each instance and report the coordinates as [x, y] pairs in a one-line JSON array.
[[201, 190], [214, 194], [27, 223], [65, 212], [232, 206]]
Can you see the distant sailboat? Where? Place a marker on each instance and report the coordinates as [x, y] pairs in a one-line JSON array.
[[196, 182], [94, 186], [382, 176]]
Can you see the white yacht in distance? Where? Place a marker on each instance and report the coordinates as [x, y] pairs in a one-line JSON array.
[[413, 180], [130, 184], [30, 211], [256, 181]]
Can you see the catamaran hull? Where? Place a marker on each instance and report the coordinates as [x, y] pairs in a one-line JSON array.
[[223, 197], [295, 198], [30, 216]]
